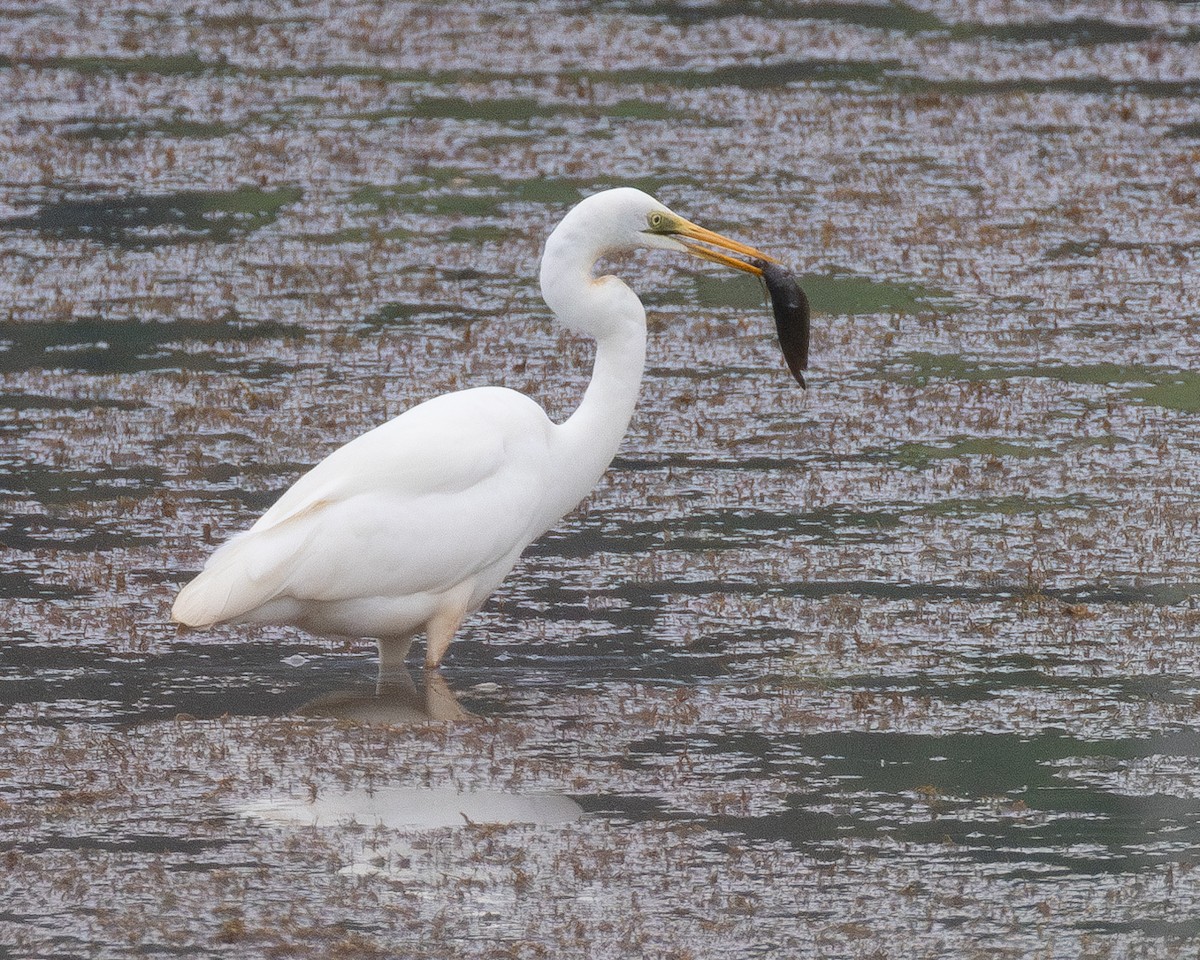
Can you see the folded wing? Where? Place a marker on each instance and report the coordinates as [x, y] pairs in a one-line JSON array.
[[416, 506]]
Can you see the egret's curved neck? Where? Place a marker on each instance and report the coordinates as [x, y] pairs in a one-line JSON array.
[[610, 311]]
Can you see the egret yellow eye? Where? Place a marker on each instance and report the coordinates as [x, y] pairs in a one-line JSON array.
[[656, 220]]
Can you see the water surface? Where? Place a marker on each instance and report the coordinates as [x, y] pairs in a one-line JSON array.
[[903, 665]]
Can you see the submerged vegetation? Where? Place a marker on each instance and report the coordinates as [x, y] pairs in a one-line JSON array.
[[906, 665]]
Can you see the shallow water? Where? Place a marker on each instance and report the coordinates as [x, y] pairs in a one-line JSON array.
[[904, 665]]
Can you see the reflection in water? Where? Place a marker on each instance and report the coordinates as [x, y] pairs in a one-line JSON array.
[[395, 700], [419, 808], [407, 811]]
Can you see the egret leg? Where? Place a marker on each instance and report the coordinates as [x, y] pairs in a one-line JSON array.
[[444, 624], [392, 653], [438, 634]]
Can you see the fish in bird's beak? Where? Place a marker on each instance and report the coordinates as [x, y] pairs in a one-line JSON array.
[[790, 305], [788, 301]]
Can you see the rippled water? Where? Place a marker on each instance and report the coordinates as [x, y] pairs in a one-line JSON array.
[[904, 666]]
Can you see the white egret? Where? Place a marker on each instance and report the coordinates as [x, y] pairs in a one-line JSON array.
[[409, 527]]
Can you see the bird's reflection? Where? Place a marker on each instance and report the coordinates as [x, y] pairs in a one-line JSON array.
[[396, 814], [399, 810], [394, 700]]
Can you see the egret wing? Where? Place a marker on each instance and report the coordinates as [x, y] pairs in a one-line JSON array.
[[419, 504], [446, 444]]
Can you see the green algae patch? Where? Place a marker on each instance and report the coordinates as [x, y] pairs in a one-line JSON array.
[[1172, 391], [177, 65], [1010, 506], [97, 345], [1077, 32], [1154, 386], [514, 110], [923, 454], [853, 296], [756, 76], [519, 110], [1185, 131], [898, 17], [147, 220], [117, 130], [832, 295]]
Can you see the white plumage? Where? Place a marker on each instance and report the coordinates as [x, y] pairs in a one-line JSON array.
[[410, 527]]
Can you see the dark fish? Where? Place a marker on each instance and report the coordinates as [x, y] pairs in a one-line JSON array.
[[791, 315]]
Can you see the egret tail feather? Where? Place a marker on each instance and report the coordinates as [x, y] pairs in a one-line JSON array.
[[245, 573]]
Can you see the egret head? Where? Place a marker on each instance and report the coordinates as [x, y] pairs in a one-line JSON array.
[[665, 230], [617, 221], [625, 219]]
